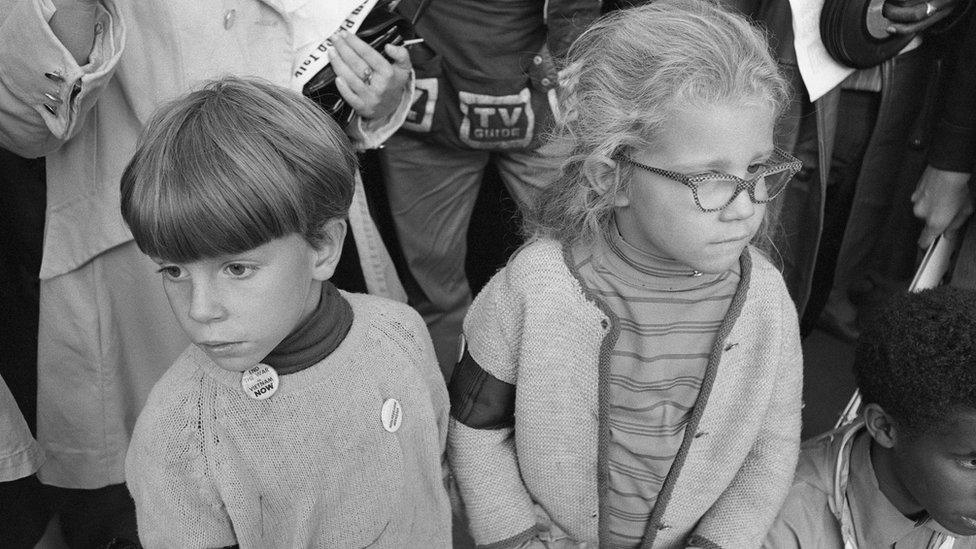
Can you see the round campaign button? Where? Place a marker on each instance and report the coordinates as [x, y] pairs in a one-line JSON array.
[[260, 382], [392, 415]]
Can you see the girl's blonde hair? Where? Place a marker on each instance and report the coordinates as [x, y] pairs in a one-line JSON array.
[[624, 77]]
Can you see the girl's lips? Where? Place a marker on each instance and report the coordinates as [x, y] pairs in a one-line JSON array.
[[734, 240]]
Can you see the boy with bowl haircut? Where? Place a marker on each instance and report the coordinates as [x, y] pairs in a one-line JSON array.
[[301, 415], [904, 474]]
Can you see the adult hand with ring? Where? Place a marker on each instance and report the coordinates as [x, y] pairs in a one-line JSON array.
[[371, 84], [915, 18]]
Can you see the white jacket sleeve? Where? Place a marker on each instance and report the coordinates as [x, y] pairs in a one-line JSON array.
[[45, 95]]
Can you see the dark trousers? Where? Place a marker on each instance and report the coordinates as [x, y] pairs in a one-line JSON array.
[[858, 112], [23, 507]]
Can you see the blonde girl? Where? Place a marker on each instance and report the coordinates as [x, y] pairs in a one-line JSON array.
[[632, 377]]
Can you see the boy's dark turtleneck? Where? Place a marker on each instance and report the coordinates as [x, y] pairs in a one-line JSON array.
[[316, 337]]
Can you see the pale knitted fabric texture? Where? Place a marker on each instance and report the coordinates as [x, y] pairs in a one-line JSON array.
[[312, 466], [534, 326]]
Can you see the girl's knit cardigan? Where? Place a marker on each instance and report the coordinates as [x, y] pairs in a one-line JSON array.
[[535, 327]]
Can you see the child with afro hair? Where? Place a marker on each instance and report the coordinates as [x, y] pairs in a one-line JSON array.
[[904, 473]]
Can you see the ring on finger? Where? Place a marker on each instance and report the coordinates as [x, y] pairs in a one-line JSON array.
[[930, 9], [367, 75]]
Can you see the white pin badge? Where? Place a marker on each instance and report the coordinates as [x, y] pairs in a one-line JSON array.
[[260, 382], [392, 415]]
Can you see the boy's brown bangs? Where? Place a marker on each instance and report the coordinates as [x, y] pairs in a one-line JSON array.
[[197, 218], [231, 167]]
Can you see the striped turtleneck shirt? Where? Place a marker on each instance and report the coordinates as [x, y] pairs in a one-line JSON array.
[[669, 316]]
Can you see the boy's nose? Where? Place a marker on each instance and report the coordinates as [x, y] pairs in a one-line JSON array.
[[204, 304]]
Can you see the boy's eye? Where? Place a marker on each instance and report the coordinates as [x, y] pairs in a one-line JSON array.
[[171, 271], [239, 270], [968, 463]]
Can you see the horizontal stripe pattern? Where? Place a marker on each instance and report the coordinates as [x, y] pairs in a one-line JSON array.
[[668, 322]]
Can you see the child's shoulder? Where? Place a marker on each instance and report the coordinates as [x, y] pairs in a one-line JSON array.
[[538, 253], [763, 267], [539, 264], [767, 279], [819, 456], [375, 308], [388, 318]]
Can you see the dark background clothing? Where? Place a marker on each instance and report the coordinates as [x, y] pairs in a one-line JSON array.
[[954, 142], [23, 506]]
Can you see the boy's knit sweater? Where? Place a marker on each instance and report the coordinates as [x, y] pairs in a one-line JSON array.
[[535, 327], [312, 466]]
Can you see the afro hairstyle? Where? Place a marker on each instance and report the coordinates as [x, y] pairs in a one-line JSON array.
[[917, 360]]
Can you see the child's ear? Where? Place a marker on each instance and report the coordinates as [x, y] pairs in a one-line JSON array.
[[327, 253], [603, 175], [621, 199], [880, 425]]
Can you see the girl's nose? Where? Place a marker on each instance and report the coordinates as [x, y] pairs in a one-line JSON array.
[[742, 207]]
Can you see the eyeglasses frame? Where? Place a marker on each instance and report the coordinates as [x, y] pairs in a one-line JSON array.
[[790, 163]]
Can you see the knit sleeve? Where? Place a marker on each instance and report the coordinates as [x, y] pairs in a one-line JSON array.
[[484, 461], [170, 474], [757, 491], [434, 378]]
